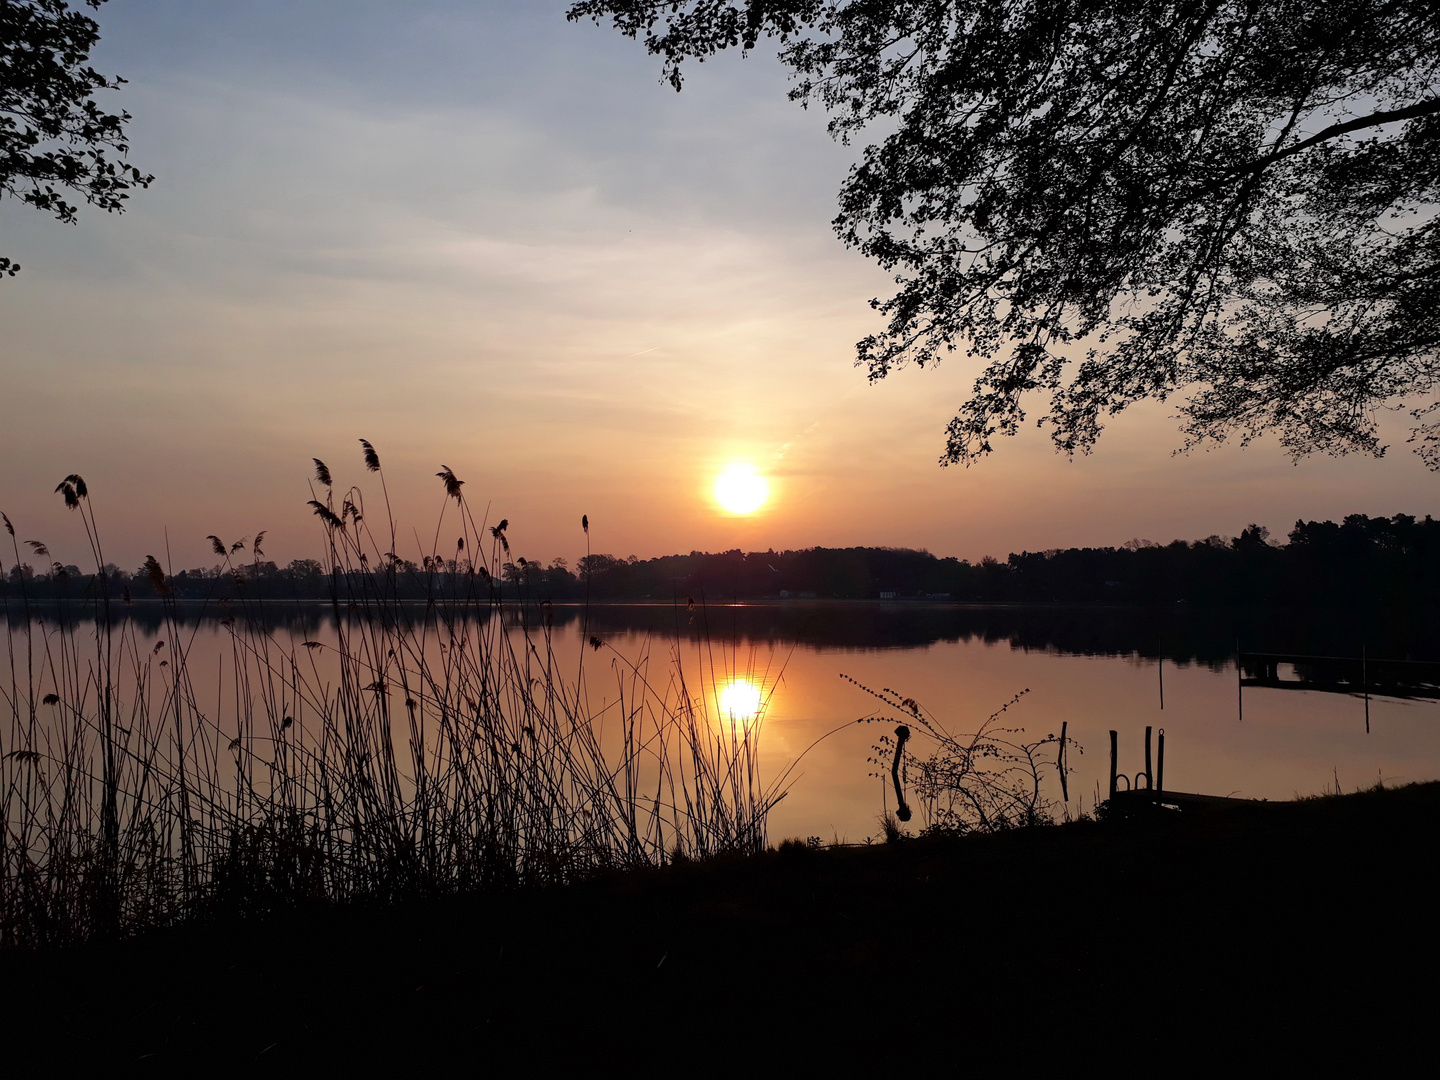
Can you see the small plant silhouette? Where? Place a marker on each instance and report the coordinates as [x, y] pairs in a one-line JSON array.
[[987, 780]]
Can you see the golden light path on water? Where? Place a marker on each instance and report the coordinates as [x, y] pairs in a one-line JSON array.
[[740, 700]]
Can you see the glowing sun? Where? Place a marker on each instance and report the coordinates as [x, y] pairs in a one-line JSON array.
[[740, 701], [740, 489]]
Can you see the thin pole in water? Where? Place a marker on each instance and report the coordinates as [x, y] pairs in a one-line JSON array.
[[1365, 681], [1160, 764], [1149, 773], [1160, 667], [1114, 759], [1239, 684]]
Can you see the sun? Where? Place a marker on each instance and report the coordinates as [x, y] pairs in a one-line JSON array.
[[740, 701], [740, 490]]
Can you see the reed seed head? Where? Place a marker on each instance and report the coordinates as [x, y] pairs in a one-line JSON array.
[[325, 514], [372, 459], [73, 488], [452, 485]]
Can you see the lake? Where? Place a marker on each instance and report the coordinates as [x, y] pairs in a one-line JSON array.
[[1092, 669]]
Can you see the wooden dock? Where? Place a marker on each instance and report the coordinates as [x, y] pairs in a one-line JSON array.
[[1358, 675], [1177, 800], [1145, 791]]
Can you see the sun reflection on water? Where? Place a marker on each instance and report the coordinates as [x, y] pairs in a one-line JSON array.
[[740, 701]]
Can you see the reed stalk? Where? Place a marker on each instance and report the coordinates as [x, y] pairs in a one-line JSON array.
[[430, 748]]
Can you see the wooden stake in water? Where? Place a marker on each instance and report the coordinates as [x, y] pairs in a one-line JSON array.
[[1114, 759], [1160, 667], [1160, 764], [1239, 685], [1365, 681]]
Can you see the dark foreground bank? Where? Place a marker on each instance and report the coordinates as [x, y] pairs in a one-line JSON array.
[[1261, 933]]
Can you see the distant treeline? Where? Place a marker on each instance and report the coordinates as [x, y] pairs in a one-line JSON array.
[[1361, 560]]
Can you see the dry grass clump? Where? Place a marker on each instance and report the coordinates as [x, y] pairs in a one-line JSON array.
[[988, 780], [431, 748]]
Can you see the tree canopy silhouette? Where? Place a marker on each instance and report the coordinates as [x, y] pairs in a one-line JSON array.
[[54, 136], [1231, 202]]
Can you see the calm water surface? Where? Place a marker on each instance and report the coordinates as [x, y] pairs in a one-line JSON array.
[[1095, 669], [1092, 668]]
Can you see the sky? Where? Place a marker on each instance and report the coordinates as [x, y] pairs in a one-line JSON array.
[[482, 237]]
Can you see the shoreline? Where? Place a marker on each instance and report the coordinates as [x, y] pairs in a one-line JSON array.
[[1063, 930]]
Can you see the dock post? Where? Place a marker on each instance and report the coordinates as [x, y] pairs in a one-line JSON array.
[[1239, 685], [1149, 773], [1160, 764], [1114, 760], [1160, 667], [1365, 682]]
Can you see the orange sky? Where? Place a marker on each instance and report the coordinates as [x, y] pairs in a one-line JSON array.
[[481, 237]]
